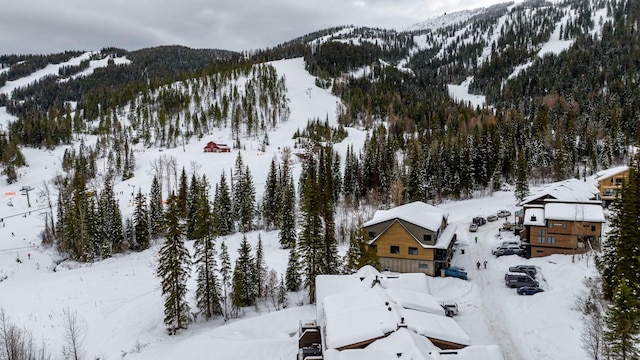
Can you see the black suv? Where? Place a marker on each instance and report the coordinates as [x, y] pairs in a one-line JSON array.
[[479, 220]]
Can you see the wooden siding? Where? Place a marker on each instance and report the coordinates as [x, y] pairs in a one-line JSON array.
[[396, 235], [408, 266], [570, 240], [417, 231], [610, 186]]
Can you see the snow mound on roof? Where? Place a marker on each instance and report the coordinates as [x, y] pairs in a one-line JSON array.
[[417, 213]]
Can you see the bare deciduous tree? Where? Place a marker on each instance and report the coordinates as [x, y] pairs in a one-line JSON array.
[[74, 335], [17, 344]]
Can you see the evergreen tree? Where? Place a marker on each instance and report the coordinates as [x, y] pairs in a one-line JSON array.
[[288, 227], [183, 194], [237, 187], [359, 253], [310, 242], [260, 268], [243, 283], [331, 260], [208, 289], [156, 210], [247, 202], [623, 323], [142, 236], [225, 273], [270, 198], [222, 209], [621, 257], [110, 219], [173, 269], [522, 184], [192, 201], [293, 276]]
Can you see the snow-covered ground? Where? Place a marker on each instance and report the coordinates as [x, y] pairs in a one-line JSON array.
[[119, 303]]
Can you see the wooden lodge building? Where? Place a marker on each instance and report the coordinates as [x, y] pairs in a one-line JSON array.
[[610, 183], [414, 237], [216, 147], [562, 227]]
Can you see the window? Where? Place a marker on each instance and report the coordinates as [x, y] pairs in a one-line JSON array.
[[540, 240], [551, 240], [541, 235], [550, 225], [593, 228], [395, 249], [372, 234], [413, 251], [423, 265], [564, 226], [426, 237], [373, 247]]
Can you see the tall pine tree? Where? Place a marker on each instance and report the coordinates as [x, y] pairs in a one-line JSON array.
[[243, 283], [173, 269], [208, 288]]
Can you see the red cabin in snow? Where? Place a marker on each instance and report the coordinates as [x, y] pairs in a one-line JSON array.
[[216, 147]]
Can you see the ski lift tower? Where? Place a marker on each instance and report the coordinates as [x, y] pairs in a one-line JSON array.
[[25, 191]]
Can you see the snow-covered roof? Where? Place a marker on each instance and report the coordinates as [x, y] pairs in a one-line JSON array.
[[534, 216], [359, 315], [417, 213], [329, 285], [589, 212], [605, 174], [359, 354], [565, 190], [435, 326], [411, 281], [415, 300], [445, 237], [406, 343], [484, 352]]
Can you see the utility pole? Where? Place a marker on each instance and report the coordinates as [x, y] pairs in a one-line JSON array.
[[25, 191]]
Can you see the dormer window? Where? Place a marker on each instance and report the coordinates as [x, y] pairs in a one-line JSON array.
[[426, 237]]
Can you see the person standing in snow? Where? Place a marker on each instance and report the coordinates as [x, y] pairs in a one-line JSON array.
[[478, 265], [485, 264]]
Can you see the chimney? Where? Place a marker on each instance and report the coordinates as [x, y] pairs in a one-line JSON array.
[[533, 218]]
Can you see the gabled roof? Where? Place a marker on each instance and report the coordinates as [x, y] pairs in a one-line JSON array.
[[605, 174], [406, 343], [417, 213], [389, 318], [565, 190], [358, 316], [587, 212], [435, 326]]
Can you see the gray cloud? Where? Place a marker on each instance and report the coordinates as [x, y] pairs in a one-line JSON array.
[[44, 26]]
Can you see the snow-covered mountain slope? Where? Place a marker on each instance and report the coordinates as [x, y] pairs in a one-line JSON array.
[[118, 301]]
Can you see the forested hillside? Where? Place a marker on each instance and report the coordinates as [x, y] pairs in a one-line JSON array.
[[550, 113]]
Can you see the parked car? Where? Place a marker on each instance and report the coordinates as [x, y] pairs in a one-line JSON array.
[[502, 247], [492, 218], [529, 290], [504, 213], [455, 271], [479, 220], [527, 269], [508, 251], [473, 227], [517, 280]]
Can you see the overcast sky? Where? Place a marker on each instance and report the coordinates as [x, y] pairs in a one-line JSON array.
[[48, 26]]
